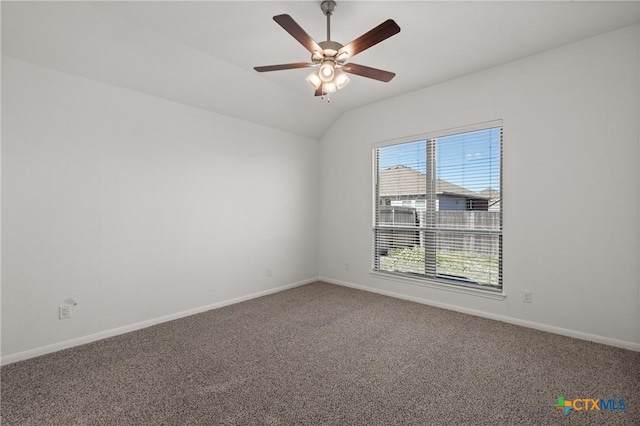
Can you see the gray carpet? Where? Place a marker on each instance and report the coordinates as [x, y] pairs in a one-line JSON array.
[[323, 354]]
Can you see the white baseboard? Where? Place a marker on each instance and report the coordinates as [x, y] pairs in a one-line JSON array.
[[43, 350], [529, 324]]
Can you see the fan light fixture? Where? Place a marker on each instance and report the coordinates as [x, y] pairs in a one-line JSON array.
[[330, 57], [328, 78]]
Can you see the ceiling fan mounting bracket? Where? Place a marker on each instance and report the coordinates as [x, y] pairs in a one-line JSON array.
[[328, 6]]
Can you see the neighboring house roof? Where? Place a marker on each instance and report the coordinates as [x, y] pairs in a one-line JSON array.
[[490, 193], [405, 181], [401, 180]]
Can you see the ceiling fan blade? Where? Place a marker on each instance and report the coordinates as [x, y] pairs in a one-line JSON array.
[[369, 72], [283, 66], [370, 38], [318, 91], [292, 27]]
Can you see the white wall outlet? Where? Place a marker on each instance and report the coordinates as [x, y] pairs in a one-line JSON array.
[[64, 311], [526, 296], [269, 272], [346, 266]]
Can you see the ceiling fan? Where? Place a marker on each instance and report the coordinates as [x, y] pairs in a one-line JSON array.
[[331, 57]]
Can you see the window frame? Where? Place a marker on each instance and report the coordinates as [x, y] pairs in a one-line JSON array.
[[450, 284]]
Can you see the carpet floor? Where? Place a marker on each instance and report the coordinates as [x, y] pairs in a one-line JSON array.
[[326, 355]]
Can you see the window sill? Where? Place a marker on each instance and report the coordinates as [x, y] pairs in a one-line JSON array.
[[424, 282]]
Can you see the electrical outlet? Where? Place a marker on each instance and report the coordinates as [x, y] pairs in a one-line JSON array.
[[64, 311], [346, 266], [269, 272], [526, 296]]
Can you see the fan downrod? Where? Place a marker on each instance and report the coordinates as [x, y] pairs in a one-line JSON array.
[[328, 6]]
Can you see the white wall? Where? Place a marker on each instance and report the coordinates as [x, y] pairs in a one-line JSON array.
[[570, 147], [139, 209]]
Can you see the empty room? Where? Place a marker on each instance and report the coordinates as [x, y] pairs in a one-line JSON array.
[[320, 212]]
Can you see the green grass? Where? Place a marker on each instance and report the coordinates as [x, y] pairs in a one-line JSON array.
[[475, 267]]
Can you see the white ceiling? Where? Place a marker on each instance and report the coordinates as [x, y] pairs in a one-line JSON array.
[[202, 53]]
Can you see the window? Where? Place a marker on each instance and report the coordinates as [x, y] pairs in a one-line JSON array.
[[438, 207]]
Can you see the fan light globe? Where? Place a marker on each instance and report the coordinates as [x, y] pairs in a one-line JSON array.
[[329, 87], [327, 71], [314, 79], [341, 79]]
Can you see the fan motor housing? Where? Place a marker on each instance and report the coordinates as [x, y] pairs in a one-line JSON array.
[[330, 45], [329, 51]]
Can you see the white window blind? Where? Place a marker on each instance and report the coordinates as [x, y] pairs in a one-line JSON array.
[[438, 208]]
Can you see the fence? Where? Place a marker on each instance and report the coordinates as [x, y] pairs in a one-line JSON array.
[[465, 230], [471, 241], [397, 216]]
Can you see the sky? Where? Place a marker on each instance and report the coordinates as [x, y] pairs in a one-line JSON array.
[[470, 160]]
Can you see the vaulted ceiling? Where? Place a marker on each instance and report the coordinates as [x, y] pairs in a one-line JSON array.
[[202, 53]]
